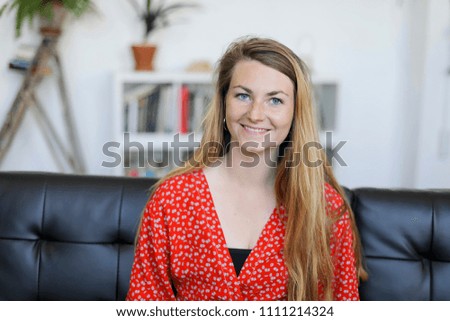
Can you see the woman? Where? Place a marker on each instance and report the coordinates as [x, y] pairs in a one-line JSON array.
[[256, 214]]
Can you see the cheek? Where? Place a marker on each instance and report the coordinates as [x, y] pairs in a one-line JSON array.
[[228, 108], [285, 120], [233, 112], [284, 123]]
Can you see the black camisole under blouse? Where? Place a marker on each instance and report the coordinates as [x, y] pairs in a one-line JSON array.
[[239, 256]]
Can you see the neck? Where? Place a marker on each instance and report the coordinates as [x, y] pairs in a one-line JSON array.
[[249, 170]]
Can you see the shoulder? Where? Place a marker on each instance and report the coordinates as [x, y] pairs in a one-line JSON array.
[[172, 195], [177, 189], [333, 198], [183, 182], [337, 211], [336, 207]]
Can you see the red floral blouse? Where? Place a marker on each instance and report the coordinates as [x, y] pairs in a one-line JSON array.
[[181, 243]]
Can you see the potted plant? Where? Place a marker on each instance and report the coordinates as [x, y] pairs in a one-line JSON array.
[[50, 12], [154, 16]]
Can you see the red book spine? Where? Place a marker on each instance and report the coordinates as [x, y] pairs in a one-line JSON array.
[[184, 115]]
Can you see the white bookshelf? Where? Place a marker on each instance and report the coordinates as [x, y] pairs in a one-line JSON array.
[[129, 89]]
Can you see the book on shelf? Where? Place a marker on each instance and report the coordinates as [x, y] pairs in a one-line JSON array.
[[148, 112], [184, 109], [164, 104], [19, 64], [134, 100], [194, 102], [200, 99], [160, 163], [23, 58], [167, 115], [146, 172], [149, 109]]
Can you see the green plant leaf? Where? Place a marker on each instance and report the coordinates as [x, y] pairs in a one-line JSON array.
[[175, 6], [77, 7], [27, 10], [3, 8]]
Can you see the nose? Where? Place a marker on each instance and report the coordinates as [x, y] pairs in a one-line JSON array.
[[256, 112]]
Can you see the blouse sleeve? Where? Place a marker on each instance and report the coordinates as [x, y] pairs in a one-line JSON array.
[[345, 285], [150, 272]]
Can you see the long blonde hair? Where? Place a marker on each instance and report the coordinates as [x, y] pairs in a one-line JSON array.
[[299, 188]]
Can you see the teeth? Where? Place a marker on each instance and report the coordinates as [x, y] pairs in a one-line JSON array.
[[256, 130]]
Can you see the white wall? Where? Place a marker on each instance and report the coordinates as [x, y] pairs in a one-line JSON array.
[[433, 147], [383, 53]]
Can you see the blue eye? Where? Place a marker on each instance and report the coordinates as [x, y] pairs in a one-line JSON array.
[[276, 101], [243, 97]]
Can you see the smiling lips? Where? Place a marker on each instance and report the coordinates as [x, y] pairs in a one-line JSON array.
[[254, 130]]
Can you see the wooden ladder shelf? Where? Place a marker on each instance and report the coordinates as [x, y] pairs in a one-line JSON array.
[[26, 99]]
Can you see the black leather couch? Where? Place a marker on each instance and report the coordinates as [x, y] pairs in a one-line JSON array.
[[66, 237]]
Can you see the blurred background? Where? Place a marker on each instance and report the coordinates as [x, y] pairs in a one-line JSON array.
[[390, 60]]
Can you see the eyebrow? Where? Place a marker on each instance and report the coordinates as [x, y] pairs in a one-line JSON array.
[[272, 93]]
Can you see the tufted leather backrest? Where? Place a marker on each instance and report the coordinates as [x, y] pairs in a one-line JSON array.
[[67, 237], [406, 240]]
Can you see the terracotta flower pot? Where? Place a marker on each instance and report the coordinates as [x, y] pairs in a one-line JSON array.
[[52, 28], [143, 56]]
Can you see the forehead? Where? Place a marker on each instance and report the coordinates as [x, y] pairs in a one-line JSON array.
[[252, 73]]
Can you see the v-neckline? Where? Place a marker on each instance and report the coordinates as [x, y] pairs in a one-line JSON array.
[[222, 240]]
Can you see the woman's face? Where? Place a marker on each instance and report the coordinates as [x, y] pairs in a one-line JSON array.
[[259, 106]]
